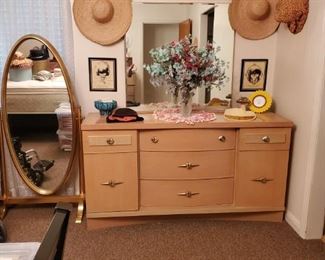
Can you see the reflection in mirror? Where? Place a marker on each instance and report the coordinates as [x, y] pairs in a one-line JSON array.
[[38, 114], [154, 25]]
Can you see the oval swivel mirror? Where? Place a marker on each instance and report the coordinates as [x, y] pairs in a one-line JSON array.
[[38, 111]]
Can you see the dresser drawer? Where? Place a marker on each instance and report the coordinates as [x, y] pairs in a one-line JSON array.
[[111, 182], [261, 178], [188, 193], [187, 140], [187, 165], [265, 139], [109, 141]]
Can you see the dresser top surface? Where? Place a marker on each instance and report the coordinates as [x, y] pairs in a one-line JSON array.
[[94, 121]]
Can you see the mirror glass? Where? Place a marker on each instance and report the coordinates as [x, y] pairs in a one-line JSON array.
[[38, 114], [154, 25]]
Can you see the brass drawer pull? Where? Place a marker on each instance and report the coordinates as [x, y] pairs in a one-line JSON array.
[[266, 139], [188, 165], [188, 194], [112, 183], [222, 138], [110, 141], [262, 180], [155, 140]]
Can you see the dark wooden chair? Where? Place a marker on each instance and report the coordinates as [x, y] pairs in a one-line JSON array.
[[3, 233], [52, 244]]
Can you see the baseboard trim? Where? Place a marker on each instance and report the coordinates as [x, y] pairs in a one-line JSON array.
[[294, 223]]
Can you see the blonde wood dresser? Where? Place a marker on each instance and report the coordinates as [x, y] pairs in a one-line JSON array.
[[157, 168]]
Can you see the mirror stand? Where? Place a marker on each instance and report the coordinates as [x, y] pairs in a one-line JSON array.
[[81, 203], [40, 123], [6, 200], [2, 176]]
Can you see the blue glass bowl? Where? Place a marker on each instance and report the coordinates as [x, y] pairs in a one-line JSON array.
[[105, 107]]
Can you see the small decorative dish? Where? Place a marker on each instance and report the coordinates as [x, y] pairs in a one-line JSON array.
[[239, 114], [105, 107]]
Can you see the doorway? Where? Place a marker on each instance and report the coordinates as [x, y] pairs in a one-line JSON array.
[[155, 35]]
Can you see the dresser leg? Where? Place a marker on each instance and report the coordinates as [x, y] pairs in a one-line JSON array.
[[80, 212]]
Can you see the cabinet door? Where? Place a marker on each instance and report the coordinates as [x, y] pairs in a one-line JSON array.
[[261, 178], [111, 182]]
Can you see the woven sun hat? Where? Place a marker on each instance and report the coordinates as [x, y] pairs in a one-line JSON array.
[[253, 19], [103, 21], [292, 12]]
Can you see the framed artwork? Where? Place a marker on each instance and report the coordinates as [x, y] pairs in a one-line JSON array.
[[253, 74], [102, 74]]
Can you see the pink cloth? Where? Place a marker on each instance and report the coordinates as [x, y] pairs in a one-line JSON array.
[[174, 115]]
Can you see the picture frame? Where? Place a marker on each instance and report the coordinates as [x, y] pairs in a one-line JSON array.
[[253, 74], [102, 74]]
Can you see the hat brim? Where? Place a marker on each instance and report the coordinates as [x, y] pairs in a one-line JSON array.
[[103, 33], [247, 27]]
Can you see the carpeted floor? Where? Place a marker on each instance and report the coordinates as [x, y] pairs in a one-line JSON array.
[[192, 238], [48, 148]]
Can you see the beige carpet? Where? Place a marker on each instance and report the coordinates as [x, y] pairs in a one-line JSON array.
[[193, 238]]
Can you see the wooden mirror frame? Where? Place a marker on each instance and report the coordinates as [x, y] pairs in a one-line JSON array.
[[4, 114], [2, 177]]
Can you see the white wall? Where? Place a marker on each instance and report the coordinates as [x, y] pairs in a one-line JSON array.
[[223, 36], [199, 23], [83, 49], [299, 95], [248, 49]]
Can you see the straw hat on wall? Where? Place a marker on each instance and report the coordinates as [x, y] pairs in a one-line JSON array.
[[103, 21], [292, 12], [253, 20]]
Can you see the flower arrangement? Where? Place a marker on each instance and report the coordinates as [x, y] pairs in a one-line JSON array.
[[183, 67]]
